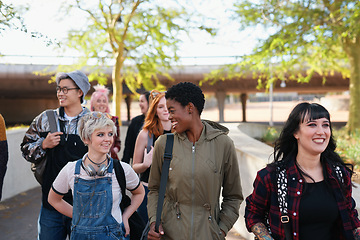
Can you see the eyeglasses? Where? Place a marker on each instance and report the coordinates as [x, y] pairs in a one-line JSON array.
[[64, 89], [100, 114]]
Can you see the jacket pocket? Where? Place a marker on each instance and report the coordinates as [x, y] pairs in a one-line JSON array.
[[216, 232], [92, 204]]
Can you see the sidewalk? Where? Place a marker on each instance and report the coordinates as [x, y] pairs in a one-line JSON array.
[[18, 217], [19, 214]]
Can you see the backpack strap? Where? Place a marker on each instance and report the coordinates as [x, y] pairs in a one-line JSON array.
[[150, 142], [120, 176], [282, 191], [164, 177], [52, 121]]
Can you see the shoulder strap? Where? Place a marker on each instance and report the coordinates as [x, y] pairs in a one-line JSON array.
[[164, 177], [150, 142], [52, 121], [120, 176], [282, 187]]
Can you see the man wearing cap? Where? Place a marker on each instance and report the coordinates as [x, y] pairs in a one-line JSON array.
[[58, 148]]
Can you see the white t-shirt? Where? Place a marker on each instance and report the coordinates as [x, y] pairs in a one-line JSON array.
[[65, 181]]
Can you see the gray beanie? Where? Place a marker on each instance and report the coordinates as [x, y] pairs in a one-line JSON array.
[[80, 79]]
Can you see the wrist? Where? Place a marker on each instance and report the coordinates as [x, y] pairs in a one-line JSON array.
[[43, 144]]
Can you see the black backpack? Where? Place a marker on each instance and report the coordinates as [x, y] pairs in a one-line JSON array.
[[136, 223]]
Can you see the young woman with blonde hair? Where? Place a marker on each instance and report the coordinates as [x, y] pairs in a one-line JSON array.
[[96, 212]]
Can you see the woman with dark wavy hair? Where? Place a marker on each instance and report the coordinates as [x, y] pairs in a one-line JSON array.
[[305, 193]]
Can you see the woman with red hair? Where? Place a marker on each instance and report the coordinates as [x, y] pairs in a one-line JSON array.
[[156, 123], [99, 102]]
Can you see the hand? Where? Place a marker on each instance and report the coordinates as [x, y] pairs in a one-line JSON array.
[[116, 149], [51, 140], [127, 227], [148, 157], [152, 235]]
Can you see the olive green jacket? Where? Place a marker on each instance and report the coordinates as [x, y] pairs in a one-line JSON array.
[[197, 176]]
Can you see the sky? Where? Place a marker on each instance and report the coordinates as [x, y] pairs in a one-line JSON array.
[[200, 48]]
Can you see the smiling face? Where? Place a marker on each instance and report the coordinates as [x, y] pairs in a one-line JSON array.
[[179, 116], [162, 111], [313, 136], [72, 97], [101, 104], [101, 140], [143, 103]]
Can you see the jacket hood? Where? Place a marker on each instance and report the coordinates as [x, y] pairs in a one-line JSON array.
[[213, 129]]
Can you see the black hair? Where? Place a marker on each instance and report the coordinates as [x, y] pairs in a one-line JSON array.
[[147, 95], [286, 147], [186, 92]]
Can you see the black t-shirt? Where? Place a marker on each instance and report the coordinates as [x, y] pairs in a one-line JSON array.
[[131, 135], [318, 212], [145, 175]]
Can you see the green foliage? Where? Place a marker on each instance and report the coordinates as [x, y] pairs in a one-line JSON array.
[[348, 145], [140, 36], [270, 135], [304, 38], [10, 17]]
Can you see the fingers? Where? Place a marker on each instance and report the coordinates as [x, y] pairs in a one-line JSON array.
[[52, 140], [127, 230], [152, 235], [148, 157], [161, 230]]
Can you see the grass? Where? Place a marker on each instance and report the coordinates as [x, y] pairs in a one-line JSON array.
[[17, 126]]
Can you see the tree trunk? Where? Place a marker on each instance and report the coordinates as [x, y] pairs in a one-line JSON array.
[[117, 88], [352, 49]]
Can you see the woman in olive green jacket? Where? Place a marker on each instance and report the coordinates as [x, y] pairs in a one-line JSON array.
[[204, 165]]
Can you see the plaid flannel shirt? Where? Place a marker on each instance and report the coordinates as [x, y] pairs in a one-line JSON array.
[[264, 201]]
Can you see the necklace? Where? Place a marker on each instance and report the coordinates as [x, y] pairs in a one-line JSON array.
[[97, 164]]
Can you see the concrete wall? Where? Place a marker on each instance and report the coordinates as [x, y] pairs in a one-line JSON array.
[[18, 177], [252, 156]]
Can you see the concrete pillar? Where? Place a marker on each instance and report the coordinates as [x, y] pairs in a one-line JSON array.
[[243, 98], [128, 100], [220, 96]]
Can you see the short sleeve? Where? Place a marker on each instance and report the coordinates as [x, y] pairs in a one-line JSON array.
[[62, 182], [132, 179]]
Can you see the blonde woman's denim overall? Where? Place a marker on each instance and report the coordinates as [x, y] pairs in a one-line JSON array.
[[92, 205]]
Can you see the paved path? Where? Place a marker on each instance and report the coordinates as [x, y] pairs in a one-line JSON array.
[[18, 217], [19, 214]]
